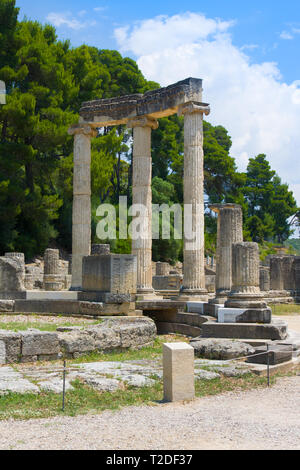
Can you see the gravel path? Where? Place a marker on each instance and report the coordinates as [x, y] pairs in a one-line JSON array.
[[255, 419]]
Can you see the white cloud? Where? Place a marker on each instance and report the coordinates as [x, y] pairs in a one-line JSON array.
[[100, 9], [260, 111], [286, 35], [66, 19], [162, 32]]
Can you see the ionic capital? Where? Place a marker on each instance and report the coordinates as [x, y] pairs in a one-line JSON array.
[[193, 107], [142, 121], [84, 129]]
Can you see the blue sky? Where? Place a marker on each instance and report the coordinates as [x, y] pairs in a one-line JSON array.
[[247, 53], [258, 23]]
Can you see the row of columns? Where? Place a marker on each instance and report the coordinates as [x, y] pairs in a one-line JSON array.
[[194, 274]]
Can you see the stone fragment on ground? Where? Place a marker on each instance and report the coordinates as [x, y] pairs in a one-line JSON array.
[[202, 374], [214, 348], [12, 381], [107, 375]]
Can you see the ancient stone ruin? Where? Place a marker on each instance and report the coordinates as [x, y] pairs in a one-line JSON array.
[[225, 300]]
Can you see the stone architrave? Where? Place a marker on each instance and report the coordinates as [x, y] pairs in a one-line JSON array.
[[142, 195], [245, 292], [81, 228], [193, 253], [230, 230]]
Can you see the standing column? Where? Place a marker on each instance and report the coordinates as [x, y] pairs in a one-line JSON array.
[[193, 255], [245, 291], [142, 195], [81, 228], [230, 230]]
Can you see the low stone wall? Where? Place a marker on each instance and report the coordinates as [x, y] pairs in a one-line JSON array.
[[71, 342]]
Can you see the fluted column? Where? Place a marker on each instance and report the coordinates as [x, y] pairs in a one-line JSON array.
[[194, 274], [81, 222], [230, 230], [245, 291], [142, 195]]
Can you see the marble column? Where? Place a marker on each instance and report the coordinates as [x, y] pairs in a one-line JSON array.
[[264, 278], [53, 280], [245, 291], [276, 273], [81, 228], [230, 230], [51, 261], [142, 195], [193, 287]]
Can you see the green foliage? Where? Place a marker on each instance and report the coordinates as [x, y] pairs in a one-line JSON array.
[[270, 203]]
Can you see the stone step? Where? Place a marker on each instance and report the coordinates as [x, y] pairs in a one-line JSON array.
[[180, 328], [277, 355], [193, 319], [72, 307], [274, 331]]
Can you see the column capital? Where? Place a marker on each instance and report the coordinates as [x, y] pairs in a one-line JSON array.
[[193, 107], [219, 207], [142, 121], [84, 129]]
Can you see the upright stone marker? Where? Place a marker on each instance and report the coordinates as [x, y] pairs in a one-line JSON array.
[[178, 366]]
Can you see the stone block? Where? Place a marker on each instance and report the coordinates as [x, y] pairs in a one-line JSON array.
[[7, 305], [195, 307], [165, 328], [35, 343], [178, 368], [238, 315], [12, 275], [76, 342], [12, 343], [212, 309], [220, 349], [50, 295], [277, 355], [109, 273], [273, 331]]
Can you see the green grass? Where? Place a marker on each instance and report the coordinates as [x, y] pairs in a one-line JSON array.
[[84, 399], [285, 309]]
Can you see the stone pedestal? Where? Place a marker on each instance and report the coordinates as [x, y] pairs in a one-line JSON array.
[[230, 230], [178, 367], [245, 292], [142, 198], [81, 228], [194, 276], [162, 269], [12, 275]]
